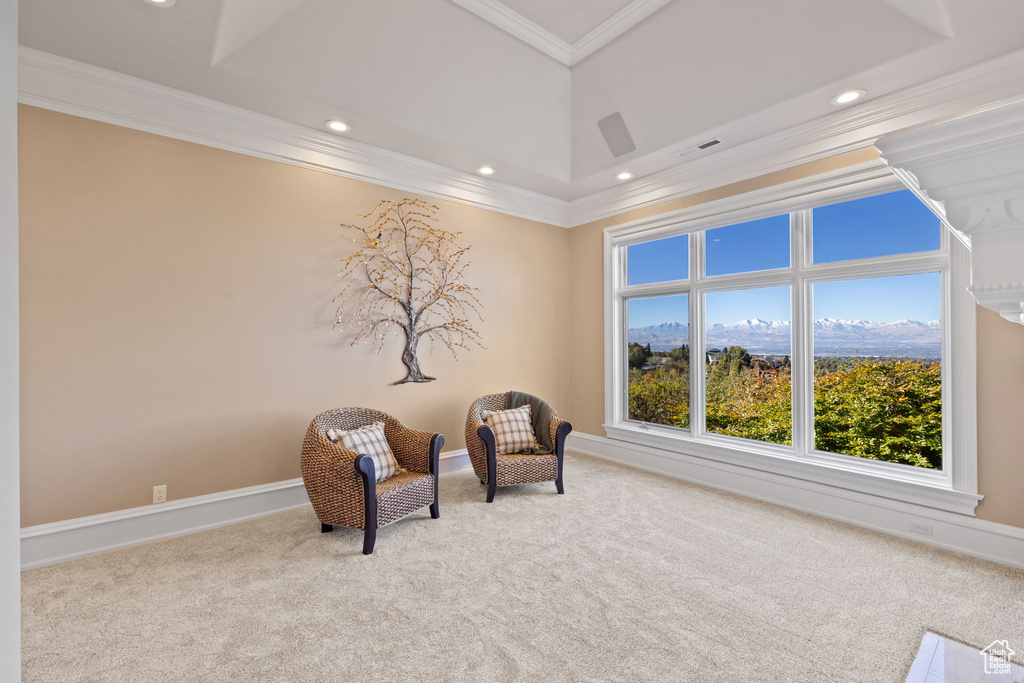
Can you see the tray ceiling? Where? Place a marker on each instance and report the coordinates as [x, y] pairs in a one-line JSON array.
[[567, 31], [467, 83]]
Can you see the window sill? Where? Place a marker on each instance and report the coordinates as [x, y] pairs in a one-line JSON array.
[[935, 494]]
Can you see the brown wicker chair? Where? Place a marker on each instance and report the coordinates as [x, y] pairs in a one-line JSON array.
[[495, 470], [342, 484]]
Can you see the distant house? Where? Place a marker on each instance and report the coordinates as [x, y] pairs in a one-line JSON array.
[[713, 355]]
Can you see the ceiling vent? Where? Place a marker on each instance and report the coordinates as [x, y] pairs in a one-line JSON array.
[[616, 135], [698, 148]]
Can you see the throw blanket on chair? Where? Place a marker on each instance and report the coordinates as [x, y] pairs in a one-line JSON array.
[[540, 414]]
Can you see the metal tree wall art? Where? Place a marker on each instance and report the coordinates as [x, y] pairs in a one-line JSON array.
[[408, 274]]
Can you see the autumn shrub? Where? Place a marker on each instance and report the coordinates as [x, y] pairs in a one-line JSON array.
[[751, 405], [661, 396], [882, 409], [888, 409]]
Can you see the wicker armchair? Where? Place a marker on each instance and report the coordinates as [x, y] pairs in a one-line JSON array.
[[495, 470], [342, 484]]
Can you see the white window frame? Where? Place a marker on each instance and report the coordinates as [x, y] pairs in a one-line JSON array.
[[954, 488]]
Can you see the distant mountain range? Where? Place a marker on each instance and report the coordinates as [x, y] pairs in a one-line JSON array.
[[900, 338]]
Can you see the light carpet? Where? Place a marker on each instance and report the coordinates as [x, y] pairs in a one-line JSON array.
[[629, 576]]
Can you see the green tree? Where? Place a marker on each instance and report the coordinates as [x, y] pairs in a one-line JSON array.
[[638, 355], [680, 354], [660, 397], [733, 360], [881, 409]]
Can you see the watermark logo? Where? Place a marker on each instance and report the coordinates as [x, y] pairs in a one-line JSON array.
[[997, 658]]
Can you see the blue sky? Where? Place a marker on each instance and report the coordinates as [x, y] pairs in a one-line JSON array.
[[886, 224], [768, 303], [659, 260], [883, 225], [754, 245], [885, 299]]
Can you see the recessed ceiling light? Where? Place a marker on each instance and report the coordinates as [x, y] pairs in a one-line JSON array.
[[625, 175], [848, 96], [485, 170], [338, 126], [161, 3]]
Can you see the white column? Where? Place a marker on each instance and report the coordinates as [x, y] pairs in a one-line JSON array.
[[10, 553], [972, 169]]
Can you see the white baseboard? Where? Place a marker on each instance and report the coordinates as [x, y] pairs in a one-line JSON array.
[[48, 544], [960, 533], [454, 461], [73, 539]]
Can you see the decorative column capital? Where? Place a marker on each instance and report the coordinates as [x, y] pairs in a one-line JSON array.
[[970, 170]]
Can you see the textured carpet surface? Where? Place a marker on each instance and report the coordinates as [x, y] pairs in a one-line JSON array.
[[627, 577]]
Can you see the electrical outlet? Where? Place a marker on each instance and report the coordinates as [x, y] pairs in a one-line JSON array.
[[921, 528], [160, 494]]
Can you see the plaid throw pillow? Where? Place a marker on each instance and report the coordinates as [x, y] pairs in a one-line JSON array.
[[369, 440], [513, 429]]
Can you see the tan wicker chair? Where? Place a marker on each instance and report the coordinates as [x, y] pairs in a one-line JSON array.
[[342, 484], [495, 470]]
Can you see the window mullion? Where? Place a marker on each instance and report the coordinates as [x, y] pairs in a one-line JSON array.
[[697, 345], [620, 382], [802, 376]]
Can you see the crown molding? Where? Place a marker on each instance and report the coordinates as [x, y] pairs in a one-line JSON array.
[[567, 53], [841, 131], [620, 22], [74, 88], [519, 26], [71, 87]]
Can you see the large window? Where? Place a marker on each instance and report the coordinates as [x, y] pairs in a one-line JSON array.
[[818, 333]]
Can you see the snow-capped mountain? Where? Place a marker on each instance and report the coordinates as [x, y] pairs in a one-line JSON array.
[[834, 324], [831, 336], [667, 335]]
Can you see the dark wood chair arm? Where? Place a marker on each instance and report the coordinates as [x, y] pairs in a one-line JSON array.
[[367, 472], [558, 429], [562, 431], [486, 435], [365, 469]]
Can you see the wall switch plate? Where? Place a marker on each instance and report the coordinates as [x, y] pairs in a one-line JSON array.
[[160, 494], [921, 528]]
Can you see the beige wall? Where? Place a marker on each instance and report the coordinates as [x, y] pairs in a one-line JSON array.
[[1000, 413], [176, 321], [1000, 349], [176, 317]]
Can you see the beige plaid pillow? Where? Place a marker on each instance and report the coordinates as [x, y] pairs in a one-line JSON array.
[[513, 429], [369, 440]]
